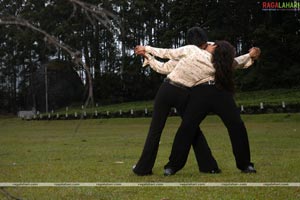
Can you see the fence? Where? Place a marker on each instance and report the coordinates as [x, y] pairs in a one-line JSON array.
[[257, 109]]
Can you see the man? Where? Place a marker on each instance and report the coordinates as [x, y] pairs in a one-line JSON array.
[[175, 95]]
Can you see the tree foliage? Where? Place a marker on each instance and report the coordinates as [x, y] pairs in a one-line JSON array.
[[107, 49]]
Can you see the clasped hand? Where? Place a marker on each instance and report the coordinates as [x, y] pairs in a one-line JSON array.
[[254, 53], [140, 50]]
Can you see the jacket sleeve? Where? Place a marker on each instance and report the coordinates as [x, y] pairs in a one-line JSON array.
[[160, 67], [243, 61], [175, 54]]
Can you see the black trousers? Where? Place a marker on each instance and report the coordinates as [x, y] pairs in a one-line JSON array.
[[203, 100], [169, 96]]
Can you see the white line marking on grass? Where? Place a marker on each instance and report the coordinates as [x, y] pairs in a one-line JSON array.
[[119, 162], [152, 184]]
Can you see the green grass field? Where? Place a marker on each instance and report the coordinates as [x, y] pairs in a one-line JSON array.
[[104, 150]]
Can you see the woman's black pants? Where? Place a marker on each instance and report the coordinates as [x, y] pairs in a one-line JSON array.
[[203, 100]]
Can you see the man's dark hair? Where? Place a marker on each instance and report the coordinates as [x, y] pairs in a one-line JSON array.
[[196, 36]]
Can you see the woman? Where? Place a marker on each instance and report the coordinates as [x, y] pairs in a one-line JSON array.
[[216, 98]]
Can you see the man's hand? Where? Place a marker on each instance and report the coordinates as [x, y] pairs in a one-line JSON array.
[[140, 50], [254, 53]]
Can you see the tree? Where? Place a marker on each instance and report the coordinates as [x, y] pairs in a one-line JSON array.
[[104, 42]]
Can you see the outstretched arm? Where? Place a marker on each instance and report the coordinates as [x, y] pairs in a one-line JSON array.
[[246, 60], [164, 53], [160, 67]]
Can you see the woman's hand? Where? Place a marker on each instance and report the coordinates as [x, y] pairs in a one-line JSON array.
[[254, 53]]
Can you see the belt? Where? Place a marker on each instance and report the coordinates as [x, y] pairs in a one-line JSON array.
[[210, 82], [179, 85]]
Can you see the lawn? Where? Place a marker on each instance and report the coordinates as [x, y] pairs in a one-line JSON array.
[[104, 150]]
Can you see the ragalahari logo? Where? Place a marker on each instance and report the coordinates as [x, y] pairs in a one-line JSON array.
[[281, 6]]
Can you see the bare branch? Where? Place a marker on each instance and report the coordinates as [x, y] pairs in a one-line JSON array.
[[75, 54], [102, 15], [74, 11], [89, 18], [49, 38]]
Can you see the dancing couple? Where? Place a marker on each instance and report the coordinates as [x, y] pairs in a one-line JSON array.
[[199, 81]]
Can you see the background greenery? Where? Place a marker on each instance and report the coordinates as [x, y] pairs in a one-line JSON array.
[[118, 76], [105, 150]]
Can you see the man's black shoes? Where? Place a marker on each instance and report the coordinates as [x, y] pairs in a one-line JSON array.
[[249, 169], [169, 172]]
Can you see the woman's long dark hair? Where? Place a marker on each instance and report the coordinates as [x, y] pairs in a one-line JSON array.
[[222, 60]]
